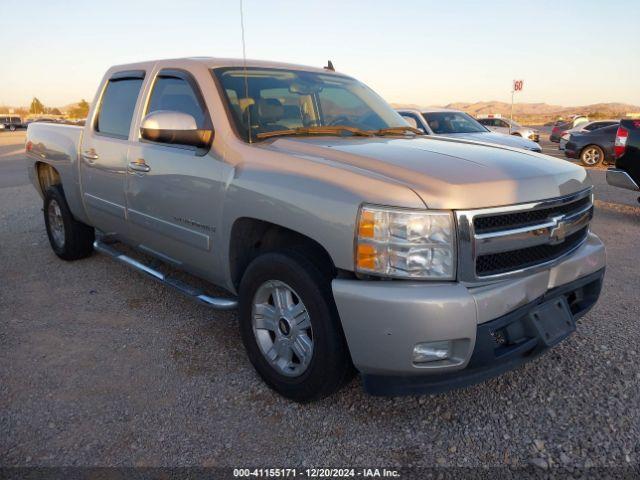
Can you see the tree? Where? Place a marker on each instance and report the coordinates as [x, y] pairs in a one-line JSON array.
[[81, 110], [36, 106], [54, 111]]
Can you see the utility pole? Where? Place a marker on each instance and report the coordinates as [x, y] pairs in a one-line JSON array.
[[511, 116], [517, 87]]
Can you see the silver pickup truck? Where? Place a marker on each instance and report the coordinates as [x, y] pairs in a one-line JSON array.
[[344, 236]]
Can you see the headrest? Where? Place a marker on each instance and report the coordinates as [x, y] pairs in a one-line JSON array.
[[270, 110]]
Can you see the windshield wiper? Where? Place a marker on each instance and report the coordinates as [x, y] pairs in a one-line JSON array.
[[329, 130], [397, 130]]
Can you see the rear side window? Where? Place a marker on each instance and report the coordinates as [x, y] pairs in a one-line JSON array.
[[118, 103], [177, 95], [610, 130]]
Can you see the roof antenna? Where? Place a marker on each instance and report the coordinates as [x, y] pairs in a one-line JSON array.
[[246, 79], [330, 66]]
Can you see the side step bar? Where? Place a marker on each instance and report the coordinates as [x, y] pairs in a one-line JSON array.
[[213, 302]]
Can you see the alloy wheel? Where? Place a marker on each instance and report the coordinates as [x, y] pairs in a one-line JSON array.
[[282, 328]]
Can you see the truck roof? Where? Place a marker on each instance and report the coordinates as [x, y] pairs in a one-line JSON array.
[[213, 62]]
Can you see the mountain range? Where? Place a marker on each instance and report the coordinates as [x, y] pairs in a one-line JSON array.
[[612, 109]]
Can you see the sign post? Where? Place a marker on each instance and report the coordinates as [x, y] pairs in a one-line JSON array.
[[517, 87]]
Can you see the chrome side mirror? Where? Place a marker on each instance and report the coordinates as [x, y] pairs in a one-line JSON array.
[[176, 128]]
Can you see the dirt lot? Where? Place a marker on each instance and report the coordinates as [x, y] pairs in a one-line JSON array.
[[100, 366]]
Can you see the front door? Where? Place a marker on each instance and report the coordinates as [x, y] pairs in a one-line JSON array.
[[104, 151], [174, 206]]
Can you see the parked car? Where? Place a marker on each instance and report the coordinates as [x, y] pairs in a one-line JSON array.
[[626, 173], [457, 124], [585, 127], [343, 235], [11, 122], [592, 147], [558, 130], [509, 127]]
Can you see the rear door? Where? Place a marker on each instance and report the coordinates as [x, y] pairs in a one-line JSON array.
[[104, 149], [174, 207]]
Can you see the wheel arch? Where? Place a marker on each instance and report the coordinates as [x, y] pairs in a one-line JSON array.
[[251, 237], [47, 176]]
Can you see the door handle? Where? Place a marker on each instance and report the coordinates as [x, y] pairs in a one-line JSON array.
[[139, 166], [90, 155]]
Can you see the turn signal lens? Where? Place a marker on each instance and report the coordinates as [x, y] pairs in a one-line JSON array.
[[366, 225], [366, 257]]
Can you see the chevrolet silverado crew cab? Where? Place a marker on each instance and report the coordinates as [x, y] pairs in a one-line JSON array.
[[344, 237]]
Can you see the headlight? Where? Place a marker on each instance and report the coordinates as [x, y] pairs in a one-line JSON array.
[[400, 243]]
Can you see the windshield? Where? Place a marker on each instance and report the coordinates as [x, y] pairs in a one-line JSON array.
[[452, 122], [264, 100]]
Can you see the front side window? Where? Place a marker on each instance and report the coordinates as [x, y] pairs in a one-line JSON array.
[[452, 122], [117, 106], [272, 100], [177, 95]]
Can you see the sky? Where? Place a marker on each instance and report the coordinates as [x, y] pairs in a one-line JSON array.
[[423, 52]]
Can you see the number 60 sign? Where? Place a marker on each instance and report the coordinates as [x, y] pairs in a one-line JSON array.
[[517, 85]]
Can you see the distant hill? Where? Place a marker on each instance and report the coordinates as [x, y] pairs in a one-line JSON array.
[[538, 111]]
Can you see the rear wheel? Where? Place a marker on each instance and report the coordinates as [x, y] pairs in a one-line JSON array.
[[591, 155], [290, 327], [69, 238]]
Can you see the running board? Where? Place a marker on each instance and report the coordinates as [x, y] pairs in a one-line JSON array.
[[213, 302]]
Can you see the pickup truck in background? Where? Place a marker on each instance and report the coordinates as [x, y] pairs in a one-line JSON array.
[[626, 149], [344, 237]]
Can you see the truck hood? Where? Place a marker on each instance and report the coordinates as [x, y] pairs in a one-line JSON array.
[[446, 173], [497, 138]]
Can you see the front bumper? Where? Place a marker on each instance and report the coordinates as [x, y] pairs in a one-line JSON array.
[[384, 320]]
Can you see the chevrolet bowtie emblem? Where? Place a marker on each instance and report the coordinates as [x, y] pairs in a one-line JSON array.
[[559, 230]]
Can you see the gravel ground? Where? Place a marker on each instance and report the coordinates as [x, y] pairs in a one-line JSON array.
[[100, 366]]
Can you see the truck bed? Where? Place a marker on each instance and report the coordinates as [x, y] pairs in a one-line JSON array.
[[58, 146]]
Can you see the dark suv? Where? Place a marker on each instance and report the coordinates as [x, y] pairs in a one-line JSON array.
[[11, 123]]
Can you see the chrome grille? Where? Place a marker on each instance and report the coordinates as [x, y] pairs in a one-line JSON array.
[[511, 240]]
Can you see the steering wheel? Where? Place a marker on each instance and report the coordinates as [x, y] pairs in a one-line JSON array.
[[341, 120]]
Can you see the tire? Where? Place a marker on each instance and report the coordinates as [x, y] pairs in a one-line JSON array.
[[591, 155], [12, 128], [69, 238], [329, 364]]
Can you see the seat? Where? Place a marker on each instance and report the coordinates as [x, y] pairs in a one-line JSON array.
[[265, 115]]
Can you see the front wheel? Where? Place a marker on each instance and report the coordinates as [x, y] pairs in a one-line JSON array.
[[591, 155], [290, 327], [69, 238]]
